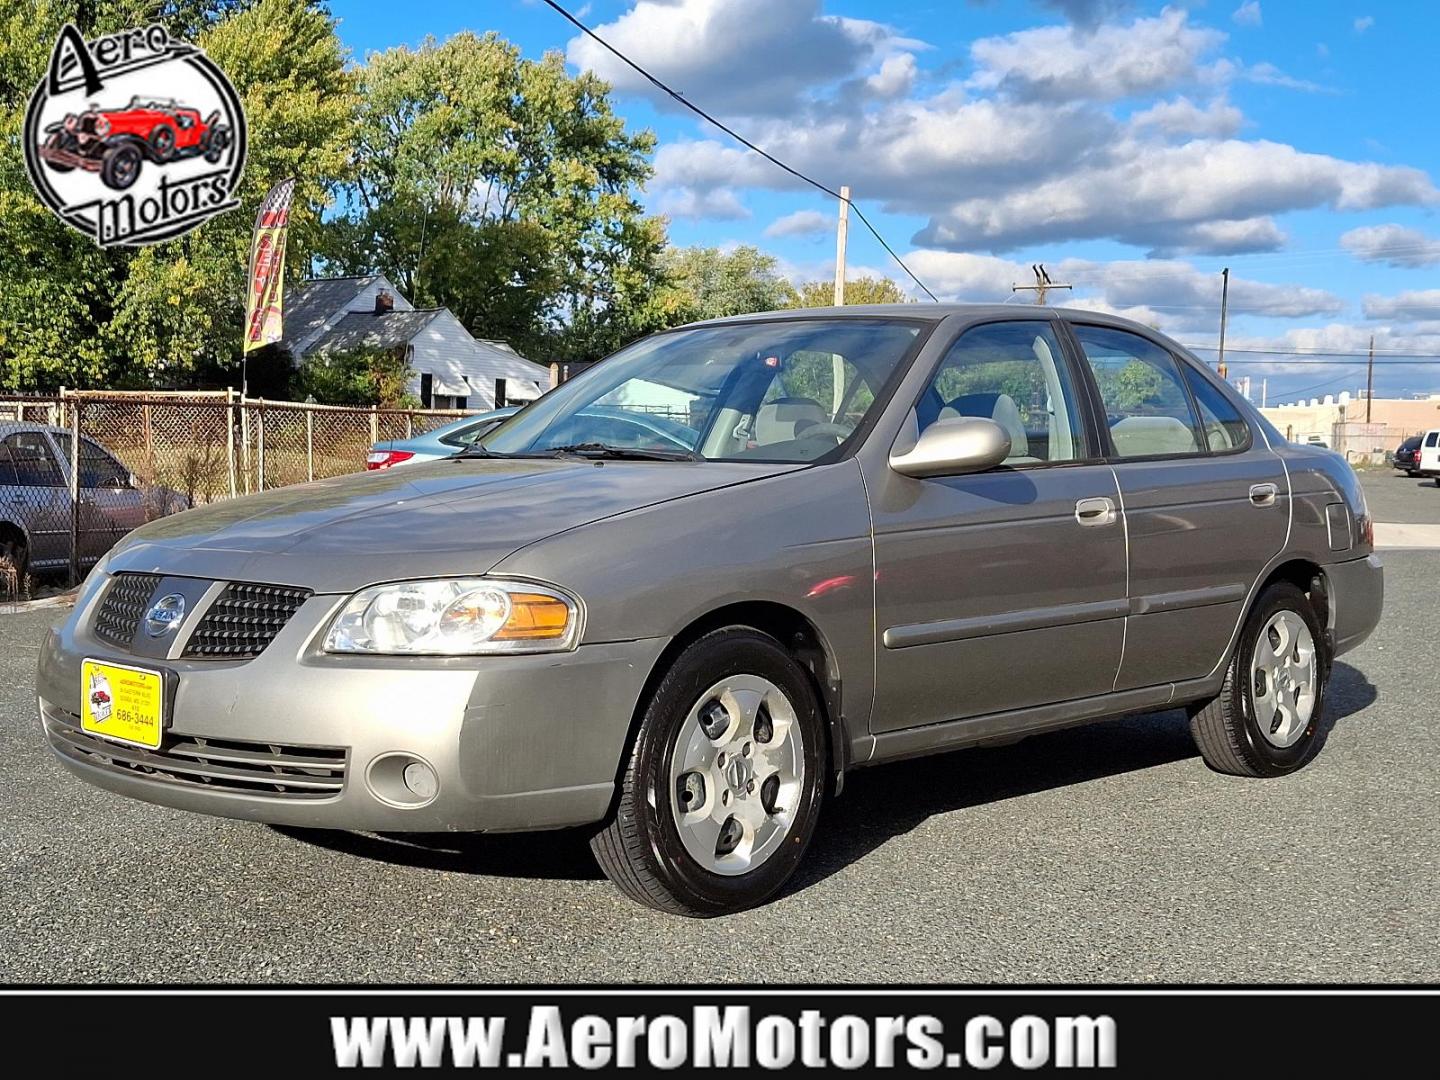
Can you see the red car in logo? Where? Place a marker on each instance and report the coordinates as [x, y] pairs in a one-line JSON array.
[[115, 142]]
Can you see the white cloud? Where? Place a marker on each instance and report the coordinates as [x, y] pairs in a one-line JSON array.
[[1393, 245], [1179, 287], [1200, 196], [1248, 14], [753, 57], [1405, 307], [954, 275], [895, 77], [1363, 23], [1217, 120], [1110, 62], [800, 223], [716, 204], [1268, 74]]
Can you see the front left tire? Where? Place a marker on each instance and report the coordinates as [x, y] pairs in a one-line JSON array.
[[120, 166], [723, 786]]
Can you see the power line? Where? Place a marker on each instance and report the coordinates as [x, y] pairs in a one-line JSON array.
[[679, 97], [1316, 351]]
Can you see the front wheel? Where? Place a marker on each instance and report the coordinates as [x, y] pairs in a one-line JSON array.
[[1266, 719], [722, 790], [120, 166]]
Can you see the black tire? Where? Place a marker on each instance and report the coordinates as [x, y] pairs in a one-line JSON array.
[[14, 567], [120, 166], [1225, 728], [640, 848], [162, 142]]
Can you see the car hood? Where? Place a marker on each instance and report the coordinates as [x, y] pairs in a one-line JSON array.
[[449, 517]]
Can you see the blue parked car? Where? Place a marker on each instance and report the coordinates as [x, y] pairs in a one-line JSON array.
[[440, 443], [621, 426]]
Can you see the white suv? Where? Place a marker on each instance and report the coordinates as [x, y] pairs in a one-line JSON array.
[[1428, 461]]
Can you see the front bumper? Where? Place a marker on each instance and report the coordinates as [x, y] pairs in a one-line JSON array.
[[516, 742], [1357, 596], [70, 159]]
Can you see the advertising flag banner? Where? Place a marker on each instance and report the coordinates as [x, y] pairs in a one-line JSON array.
[[264, 300]]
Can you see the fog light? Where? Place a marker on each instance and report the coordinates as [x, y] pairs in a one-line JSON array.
[[421, 780], [405, 781]]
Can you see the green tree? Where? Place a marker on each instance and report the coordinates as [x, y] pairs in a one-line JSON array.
[[1129, 387], [170, 314], [505, 189], [861, 290], [708, 283], [359, 377]]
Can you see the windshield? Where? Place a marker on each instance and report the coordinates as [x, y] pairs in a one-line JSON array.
[[758, 391]]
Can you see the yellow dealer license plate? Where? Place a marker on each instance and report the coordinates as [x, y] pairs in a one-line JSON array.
[[122, 703]]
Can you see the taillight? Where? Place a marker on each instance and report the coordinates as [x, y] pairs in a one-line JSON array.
[[383, 459]]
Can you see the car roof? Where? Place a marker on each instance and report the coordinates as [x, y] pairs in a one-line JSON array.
[[933, 313], [10, 427]]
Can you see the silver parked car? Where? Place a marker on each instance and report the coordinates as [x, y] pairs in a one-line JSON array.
[[35, 505], [899, 530]]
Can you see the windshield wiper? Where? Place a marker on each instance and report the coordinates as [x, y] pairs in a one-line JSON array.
[[633, 453]]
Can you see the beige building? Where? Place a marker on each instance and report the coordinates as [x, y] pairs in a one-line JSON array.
[[1341, 421]]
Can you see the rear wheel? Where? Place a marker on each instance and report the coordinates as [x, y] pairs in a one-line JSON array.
[[1266, 719], [723, 787], [162, 142]]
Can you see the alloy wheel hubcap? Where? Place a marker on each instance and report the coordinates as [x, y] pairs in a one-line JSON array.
[[736, 774], [1283, 678]]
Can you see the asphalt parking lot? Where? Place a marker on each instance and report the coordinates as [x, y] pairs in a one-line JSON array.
[[1106, 853], [1407, 500]]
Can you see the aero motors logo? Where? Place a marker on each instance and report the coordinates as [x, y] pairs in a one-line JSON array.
[[134, 139]]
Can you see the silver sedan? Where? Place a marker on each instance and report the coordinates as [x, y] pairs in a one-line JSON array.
[[893, 531]]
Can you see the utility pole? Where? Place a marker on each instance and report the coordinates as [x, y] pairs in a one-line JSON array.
[[1042, 285], [1370, 379], [1224, 311], [840, 236], [1264, 392]]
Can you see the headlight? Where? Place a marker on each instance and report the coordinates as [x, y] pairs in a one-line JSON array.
[[455, 617]]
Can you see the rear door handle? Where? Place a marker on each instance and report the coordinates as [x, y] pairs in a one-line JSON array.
[[1263, 494], [1097, 511]]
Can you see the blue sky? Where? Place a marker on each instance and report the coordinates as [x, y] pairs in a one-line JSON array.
[[1134, 148]]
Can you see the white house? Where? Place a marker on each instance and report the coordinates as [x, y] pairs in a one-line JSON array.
[[451, 368]]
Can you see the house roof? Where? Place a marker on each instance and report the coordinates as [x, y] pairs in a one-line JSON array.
[[369, 330], [309, 304]]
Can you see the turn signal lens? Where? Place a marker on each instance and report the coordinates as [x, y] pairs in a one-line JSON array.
[[534, 617]]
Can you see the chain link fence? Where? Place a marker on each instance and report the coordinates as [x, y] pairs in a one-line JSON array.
[[148, 454]]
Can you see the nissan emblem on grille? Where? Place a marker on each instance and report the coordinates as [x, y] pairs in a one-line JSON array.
[[165, 615]]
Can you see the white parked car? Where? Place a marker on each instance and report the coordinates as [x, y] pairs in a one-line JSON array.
[[1428, 463], [1315, 440]]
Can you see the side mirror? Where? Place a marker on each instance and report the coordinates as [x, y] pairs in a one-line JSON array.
[[951, 447]]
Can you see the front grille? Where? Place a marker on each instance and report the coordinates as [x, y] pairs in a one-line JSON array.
[[243, 620], [125, 601], [270, 770]]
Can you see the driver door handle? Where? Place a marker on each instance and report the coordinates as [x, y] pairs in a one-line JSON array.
[[1097, 511]]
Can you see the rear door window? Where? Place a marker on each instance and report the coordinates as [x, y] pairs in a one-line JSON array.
[[1146, 403]]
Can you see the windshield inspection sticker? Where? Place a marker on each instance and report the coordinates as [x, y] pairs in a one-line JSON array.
[[134, 138]]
